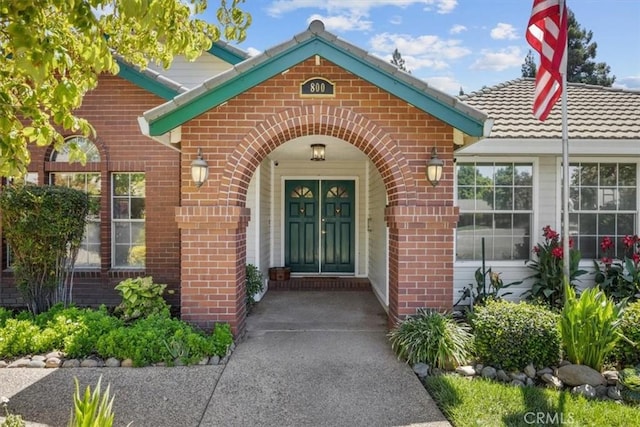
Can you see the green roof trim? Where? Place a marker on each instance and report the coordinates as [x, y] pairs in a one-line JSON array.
[[227, 55], [140, 79], [232, 83]]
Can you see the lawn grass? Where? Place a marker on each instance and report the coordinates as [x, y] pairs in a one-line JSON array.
[[488, 403]]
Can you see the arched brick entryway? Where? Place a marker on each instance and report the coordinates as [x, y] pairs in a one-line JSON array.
[[420, 230]]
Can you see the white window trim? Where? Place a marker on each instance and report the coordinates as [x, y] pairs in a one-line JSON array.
[[113, 221]]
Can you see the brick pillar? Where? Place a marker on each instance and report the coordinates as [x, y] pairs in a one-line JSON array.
[[213, 263], [421, 241]]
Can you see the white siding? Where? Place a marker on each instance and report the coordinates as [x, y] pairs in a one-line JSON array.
[[378, 236], [191, 74], [253, 234], [265, 216]]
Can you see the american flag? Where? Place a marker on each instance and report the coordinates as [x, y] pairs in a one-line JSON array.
[[547, 34]]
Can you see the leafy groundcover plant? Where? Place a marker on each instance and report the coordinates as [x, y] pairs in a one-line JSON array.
[[433, 338], [589, 326]]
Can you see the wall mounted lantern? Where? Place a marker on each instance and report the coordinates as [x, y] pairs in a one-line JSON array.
[[317, 152], [199, 170], [434, 168]]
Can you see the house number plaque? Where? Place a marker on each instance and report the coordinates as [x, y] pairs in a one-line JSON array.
[[317, 87]]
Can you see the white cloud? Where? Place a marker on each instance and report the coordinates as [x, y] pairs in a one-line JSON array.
[[396, 20], [504, 31], [342, 23], [500, 60], [457, 29], [427, 46], [629, 82], [280, 7], [252, 51], [445, 83]]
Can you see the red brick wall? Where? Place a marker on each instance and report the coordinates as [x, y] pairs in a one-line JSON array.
[[113, 108], [397, 137]]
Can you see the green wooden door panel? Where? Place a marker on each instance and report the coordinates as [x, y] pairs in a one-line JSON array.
[[338, 222], [301, 226]]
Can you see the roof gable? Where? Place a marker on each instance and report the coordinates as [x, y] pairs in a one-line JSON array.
[[314, 41], [166, 88], [594, 112]]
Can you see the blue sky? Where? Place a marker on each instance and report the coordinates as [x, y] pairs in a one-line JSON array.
[[449, 43]]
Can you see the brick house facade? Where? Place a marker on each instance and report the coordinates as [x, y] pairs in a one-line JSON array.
[[245, 120]]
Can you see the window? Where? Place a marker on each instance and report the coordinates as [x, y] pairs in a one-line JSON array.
[[89, 252], [496, 204], [128, 217], [602, 202], [84, 145]]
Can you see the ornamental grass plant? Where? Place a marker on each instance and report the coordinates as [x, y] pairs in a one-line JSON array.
[[433, 338], [589, 326]]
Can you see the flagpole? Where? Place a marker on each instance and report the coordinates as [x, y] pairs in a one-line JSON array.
[[565, 167]]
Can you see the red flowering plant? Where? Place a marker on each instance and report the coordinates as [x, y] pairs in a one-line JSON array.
[[619, 278], [547, 286]]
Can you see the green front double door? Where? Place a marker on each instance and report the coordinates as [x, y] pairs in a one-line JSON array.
[[320, 226]]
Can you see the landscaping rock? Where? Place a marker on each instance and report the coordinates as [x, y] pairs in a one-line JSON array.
[[71, 363], [203, 361], [543, 371], [224, 360], [57, 354], [552, 381], [52, 362], [126, 363], [3, 364], [502, 376], [585, 389], [214, 360], [479, 367], [466, 371], [38, 358], [613, 392], [530, 371], [517, 383], [20, 363], [89, 363], [36, 364], [112, 362], [437, 372], [611, 377], [576, 375], [529, 382], [564, 363], [601, 391], [421, 369], [518, 376], [178, 362], [488, 372]]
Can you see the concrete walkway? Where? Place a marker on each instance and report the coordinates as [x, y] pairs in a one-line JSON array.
[[309, 359]]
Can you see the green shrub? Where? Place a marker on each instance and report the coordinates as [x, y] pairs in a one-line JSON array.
[[20, 337], [158, 338], [433, 338], [510, 335], [4, 316], [141, 298], [254, 283], [589, 326], [222, 338], [93, 409], [630, 382], [627, 350]]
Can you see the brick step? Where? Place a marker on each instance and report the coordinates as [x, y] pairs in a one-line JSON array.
[[321, 284]]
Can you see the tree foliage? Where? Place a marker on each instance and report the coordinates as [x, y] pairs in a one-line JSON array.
[[398, 61], [529, 68], [54, 50], [43, 226], [581, 52]]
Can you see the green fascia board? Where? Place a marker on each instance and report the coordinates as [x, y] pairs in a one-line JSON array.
[[226, 55], [306, 49], [139, 79]]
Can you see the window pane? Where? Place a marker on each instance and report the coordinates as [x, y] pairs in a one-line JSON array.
[[589, 198], [608, 199], [606, 224], [137, 184], [627, 200], [122, 233], [504, 199], [137, 208], [626, 224], [627, 175], [523, 175], [503, 226], [121, 255], [589, 174], [121, 184], [504, 175], [587, 246], [588, 224], [608, 174], [121, 209], [523, 199]]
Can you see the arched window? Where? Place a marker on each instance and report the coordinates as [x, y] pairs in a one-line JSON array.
[[89, 182]]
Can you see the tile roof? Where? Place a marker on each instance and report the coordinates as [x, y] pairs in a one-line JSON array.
[[594, 112]]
